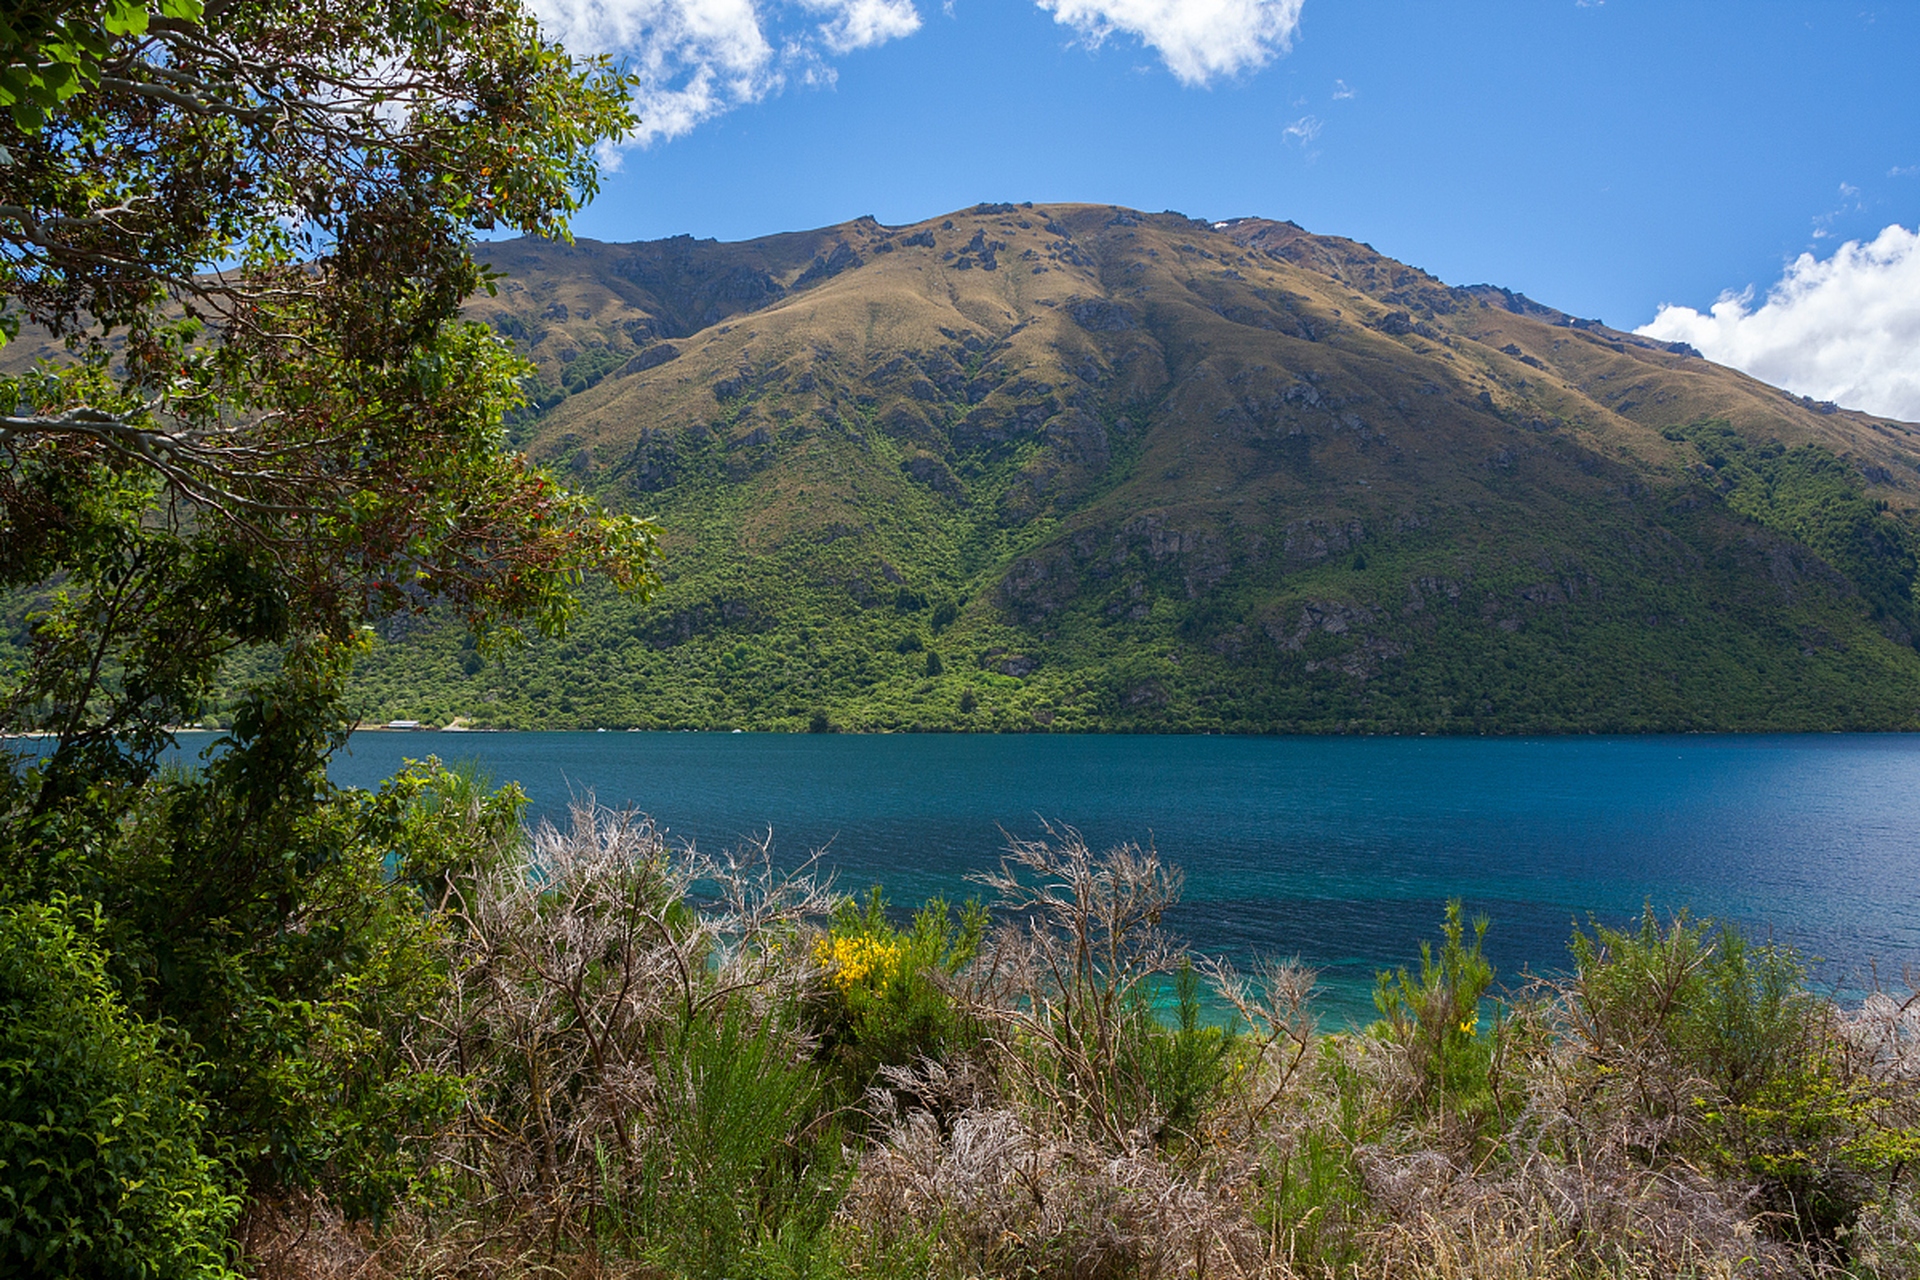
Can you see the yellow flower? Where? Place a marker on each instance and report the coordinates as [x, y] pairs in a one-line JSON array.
[[858, 960]]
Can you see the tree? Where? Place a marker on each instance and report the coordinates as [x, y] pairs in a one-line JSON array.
[[252, 223]]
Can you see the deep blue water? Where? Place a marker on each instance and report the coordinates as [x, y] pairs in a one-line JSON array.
[[1341, 851]]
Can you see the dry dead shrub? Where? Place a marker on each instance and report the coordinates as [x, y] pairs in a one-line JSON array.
[[301, 1237], [943, 1090], [1061, 982], [1274, 1005], [1886, 1033], [1882, 1039], [1544, 1217], [1885, 1241], [994, 1196], [577, 961]]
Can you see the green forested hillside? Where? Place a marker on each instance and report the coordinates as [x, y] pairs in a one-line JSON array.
[[1079, 468]]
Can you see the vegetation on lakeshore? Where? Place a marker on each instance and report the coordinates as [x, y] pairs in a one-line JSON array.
[[585, 1052], [240, 410], [1620, 642]]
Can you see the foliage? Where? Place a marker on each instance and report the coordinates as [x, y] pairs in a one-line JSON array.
[[251, 225], [886, 997], [741, 1168], [63, 47], [1720, 1054], [1435, 1020], [279, 925], [1187, 1064], [1070, 969], [1309, 1198], [633, 1061], [1678, 1014], [1635, 994], [102, 1167], [648, 1052], [1814, 496], [274, 452], [760, 642]]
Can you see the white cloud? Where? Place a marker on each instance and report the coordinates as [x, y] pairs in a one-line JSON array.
[[1199, 40], [860, 24], [1845, 329], [696, 59], [1304, 130], [1341, 93], [1849, 203]]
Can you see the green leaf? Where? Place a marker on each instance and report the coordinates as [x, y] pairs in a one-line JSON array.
[[126, 18]]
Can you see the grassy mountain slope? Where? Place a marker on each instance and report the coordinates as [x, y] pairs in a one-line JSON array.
[[1076, 467]]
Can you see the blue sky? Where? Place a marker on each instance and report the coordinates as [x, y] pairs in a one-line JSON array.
[[1605, 158]]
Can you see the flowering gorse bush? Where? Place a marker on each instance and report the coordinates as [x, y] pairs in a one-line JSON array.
[[886, 994], [858, 961]]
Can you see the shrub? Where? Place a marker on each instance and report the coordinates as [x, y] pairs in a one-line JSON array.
[[1309, 1201], [1068, 972], [739, 1169], [1435, 1021], [1625, 1012], [101, 1168], [1704, 1046], [1187, 1065], [282, 926], [884, 996], [1786, 1106], [603, 1018]]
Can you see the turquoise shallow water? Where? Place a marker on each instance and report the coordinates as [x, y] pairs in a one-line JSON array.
[[1339, 850]]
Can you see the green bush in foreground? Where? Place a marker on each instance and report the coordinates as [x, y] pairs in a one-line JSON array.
[[744, 1171], [1435, 1020], [1717, 1049], [102, 1167]]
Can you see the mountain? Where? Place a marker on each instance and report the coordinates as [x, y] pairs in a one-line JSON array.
[[1075, 467]]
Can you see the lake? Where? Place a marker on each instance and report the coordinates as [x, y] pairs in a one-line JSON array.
[[1341, 851]]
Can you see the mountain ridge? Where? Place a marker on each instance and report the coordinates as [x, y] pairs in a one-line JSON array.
[[1152, 472]]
